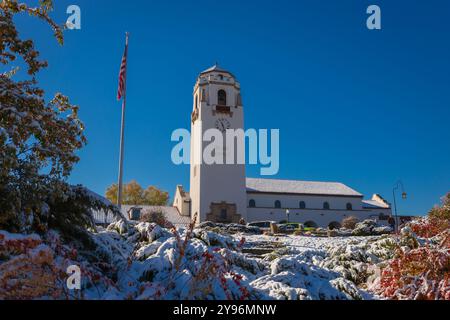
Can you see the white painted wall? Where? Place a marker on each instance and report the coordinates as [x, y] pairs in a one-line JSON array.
[[215, 183], [314, 209], [312, 201]]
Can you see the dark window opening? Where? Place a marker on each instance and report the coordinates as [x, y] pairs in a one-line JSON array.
[[222, 98], [223, 214], [334, 225]]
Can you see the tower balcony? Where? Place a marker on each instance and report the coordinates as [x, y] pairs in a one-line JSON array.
[[221, 109]]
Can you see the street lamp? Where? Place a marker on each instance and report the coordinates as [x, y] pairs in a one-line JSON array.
[[398, 185], [287, 215]]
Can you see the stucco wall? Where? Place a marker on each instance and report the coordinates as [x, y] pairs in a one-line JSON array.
[[314, 211], [321, 217]]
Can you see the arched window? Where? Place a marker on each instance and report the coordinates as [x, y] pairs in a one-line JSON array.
[[334, 225], [349, 206], [278, 204], [252, 203], [222, 98], [223, 214], [196, 101], [302, 205], [326, 206], [383, 217]]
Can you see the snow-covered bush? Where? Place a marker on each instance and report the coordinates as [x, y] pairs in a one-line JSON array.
[[296, 278], [437, 221], [230, 228], [422, 273], [32, 267], [354, 259], [421, 267], [38, 141], [370, 227]]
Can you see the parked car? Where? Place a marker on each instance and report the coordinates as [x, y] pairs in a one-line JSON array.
[[263, 225], [290, 227]]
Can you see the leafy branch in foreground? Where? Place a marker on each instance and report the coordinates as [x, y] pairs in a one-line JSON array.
[[38, 139]]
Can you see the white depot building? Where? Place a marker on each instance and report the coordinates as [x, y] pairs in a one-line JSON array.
[[222, 193]]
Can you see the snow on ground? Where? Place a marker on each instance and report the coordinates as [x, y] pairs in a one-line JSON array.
[[145, 261], [314, 267]]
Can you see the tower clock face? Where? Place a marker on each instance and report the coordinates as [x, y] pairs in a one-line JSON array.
[[223, 124]]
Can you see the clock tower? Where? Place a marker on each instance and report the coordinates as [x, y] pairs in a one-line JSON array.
[[217, 190]]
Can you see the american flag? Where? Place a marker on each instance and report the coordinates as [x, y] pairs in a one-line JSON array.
[[123, 73]]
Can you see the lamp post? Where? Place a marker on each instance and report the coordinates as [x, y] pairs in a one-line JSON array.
[[397, 185], [287, 214]]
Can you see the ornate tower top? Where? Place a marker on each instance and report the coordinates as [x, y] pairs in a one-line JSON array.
[[216, 69], [216, 75]]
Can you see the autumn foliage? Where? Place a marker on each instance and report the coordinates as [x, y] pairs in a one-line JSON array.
[[423, 271]]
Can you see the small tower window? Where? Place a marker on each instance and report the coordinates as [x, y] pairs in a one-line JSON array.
[[326, 206], [278, 204], [302, 205], [222, 98], [223, 214], [252, 203], [349, 206]]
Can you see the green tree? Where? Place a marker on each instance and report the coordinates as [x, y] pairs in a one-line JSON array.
[[38, 138], [134, 194]]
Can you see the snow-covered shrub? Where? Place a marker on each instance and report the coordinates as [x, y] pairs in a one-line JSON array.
[[231, 228], [408, 238], [354, 259], [382, 230], [150, 232], [296, 278], [39, 140], [215, 239], [422, 273], [370, 227], [437, 221], [421, 268], [193, 268], [33, 267]]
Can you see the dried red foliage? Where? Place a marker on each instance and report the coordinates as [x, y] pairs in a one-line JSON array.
[[421, 273], [36, 269], [430, 226]]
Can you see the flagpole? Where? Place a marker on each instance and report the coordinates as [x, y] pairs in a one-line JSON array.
[[122, 134]]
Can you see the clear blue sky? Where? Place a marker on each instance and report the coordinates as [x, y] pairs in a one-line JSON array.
[[362, 107]]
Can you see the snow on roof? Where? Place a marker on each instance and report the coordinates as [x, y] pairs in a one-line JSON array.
[[372, 204], [216, 68], [171, 213], [300, 187]]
